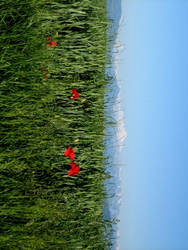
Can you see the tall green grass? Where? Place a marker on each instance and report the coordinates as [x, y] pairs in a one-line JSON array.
[[41, 207]]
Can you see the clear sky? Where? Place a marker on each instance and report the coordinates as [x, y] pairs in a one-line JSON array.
[[153, 71]]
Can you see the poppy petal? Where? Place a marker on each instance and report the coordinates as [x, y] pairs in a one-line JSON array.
[[51, 44], [72, 155], [75, 94], [75, 169], [69, 152], [72, 164], [75, 166], [71, 172]]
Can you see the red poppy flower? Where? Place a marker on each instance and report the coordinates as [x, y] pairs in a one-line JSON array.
[[51, 43], [46, 77], [75, 169], [69, 152], [75, 94]]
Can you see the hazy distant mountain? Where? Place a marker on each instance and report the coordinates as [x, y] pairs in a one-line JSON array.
[[114, 13], [115, 47], [114, 9], [111, 206]]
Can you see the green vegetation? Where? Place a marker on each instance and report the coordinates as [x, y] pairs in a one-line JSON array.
[[41, 207]]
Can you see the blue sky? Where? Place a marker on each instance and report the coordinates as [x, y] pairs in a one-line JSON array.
[[153, 71]]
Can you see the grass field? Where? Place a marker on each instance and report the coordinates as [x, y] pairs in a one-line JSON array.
[[41, 207]]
